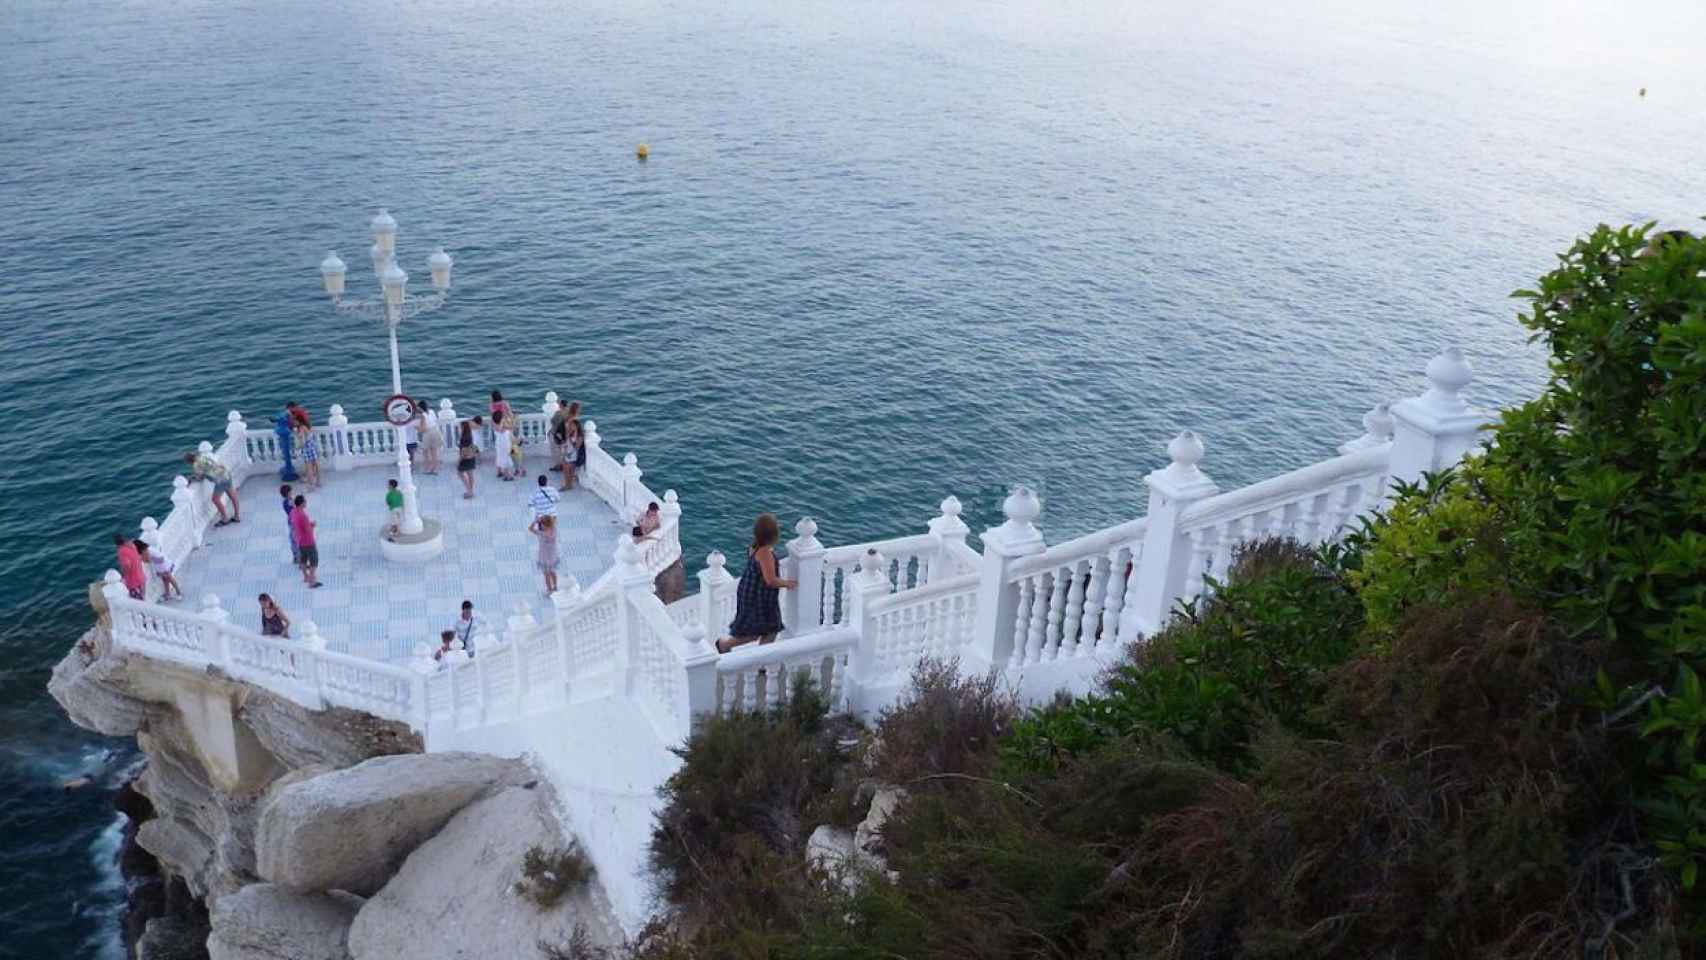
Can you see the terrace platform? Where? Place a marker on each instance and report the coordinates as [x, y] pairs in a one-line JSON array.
[[379, 610]]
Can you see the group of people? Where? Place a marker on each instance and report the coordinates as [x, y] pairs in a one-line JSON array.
[[758, 615]]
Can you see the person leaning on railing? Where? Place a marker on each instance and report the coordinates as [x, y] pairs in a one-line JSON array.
[[758, 596], [204, 466]]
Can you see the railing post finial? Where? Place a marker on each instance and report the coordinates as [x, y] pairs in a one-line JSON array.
[[211, 610]]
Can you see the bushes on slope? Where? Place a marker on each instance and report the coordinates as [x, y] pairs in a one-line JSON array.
[[1258, 648]]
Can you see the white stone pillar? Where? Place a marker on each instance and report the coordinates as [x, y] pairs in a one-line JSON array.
[[237, 434], [950, 533], [632, 581], [802, 607], [992, 632], [343, 458], [550, 407], [1159, 577], [112, 591], [669, 511], [1437, 429], [713, 580], [183, 500], [631, 474], [563, 602], [219, 649], [594, 443], [521, 625], [448, 426], [870, 583]]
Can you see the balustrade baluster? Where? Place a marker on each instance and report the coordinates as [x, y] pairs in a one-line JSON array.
[[1202, 545], [1095, 588], [1056, 615], [1038, 631], [1074, 620], [1021, 621], [1121, 563]]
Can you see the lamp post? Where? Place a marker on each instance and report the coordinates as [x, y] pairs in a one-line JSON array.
[[418, 538]]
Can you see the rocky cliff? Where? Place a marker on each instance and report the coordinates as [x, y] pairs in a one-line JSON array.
[[320, 834]]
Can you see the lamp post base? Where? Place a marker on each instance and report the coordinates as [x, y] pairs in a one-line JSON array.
[[413, 547]]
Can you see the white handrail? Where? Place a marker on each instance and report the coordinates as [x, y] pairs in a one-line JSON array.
[[1275, 491]]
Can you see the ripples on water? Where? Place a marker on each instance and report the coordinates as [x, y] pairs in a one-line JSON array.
[[882, 252]]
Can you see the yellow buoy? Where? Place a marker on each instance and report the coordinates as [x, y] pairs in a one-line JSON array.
[[643, 151]]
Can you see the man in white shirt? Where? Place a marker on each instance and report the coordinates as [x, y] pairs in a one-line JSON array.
[[464, 627], [544, 501]]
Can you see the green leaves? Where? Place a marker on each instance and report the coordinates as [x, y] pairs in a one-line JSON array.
[[1606, 499]]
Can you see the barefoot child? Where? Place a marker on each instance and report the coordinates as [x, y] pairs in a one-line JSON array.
[[163, 568], [394, 503]]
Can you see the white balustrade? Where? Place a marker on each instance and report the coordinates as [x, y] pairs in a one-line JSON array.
[[864, 613], [760, 677]]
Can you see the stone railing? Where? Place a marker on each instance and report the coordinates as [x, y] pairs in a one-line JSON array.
[[1045, 617], [300, 670]]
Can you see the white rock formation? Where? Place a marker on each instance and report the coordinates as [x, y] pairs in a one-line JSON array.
[[350, 829], [454, 897], [267, 922]]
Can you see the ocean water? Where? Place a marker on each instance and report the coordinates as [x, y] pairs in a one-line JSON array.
[[882, 251]]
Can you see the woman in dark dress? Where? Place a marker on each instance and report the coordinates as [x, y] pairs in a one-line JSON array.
[[758, 604]]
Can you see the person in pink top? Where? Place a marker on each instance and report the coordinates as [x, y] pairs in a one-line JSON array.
[[303, 526], [130, 567]]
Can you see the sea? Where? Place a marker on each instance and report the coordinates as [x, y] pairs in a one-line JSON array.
[[881, 251]]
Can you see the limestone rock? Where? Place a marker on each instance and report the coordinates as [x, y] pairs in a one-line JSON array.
[[829, 848], [454, 897], [266, 922], [349, 829], [92, 692], [869, 836], [171, 938], [334, 737]]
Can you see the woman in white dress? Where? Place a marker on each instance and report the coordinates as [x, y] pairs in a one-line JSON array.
[[502, 424]]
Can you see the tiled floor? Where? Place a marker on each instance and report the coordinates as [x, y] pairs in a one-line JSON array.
[[372, 608]]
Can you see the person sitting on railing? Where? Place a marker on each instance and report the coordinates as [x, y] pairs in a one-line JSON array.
[[446, 640], [205, 466], [758, 603], [651, 519], [274, 622], [130, 567]]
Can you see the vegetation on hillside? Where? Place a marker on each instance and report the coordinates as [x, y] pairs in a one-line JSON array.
[[1472, 729]]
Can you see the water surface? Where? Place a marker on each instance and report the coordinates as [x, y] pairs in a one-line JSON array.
[[882, 251]]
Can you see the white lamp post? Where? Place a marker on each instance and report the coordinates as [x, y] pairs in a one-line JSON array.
[[419, 538]]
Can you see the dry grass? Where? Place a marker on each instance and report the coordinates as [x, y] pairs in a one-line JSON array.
[[547, 876]]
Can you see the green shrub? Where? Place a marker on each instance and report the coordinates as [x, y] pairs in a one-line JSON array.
[[945, 724], [728, 846], [1607, 490], [1259, 645], [1437, 539]]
